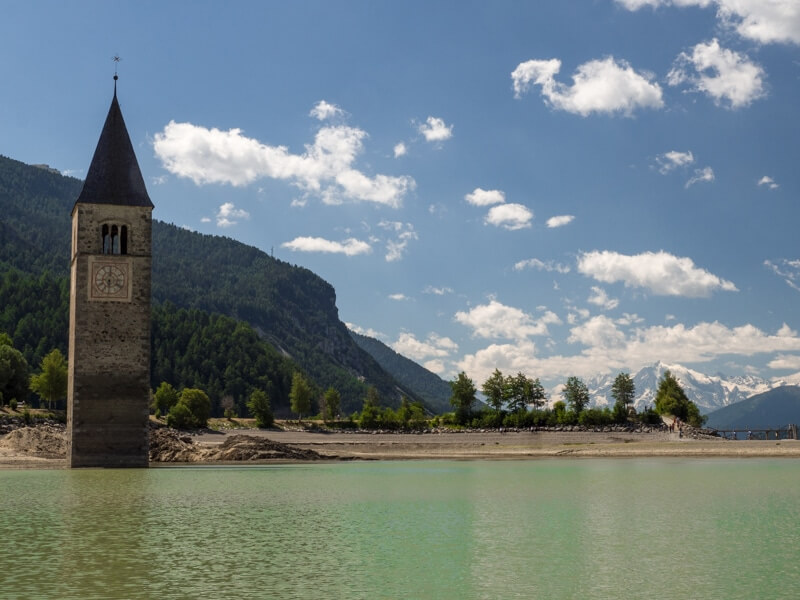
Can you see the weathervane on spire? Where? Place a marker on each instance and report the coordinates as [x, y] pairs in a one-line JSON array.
[[116, 60]]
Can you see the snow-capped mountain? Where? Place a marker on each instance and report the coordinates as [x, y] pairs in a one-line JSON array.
[[708, 392]]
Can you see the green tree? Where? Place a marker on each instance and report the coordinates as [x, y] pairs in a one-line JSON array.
[[165, 398], [333, 402], [522, 391], [672, 400], [462, 397], [14, 378], [300, 396], [259, 407], [623, 391], [494, 388], [370, 413], [51, 383], [576, 394]]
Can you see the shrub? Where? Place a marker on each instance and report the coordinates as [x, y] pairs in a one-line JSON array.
[[13, 404], [199, 405], [180, 417]]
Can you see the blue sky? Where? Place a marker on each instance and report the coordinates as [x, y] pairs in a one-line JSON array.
[[558, 188]]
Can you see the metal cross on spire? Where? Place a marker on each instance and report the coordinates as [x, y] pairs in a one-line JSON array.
[[116, 60]]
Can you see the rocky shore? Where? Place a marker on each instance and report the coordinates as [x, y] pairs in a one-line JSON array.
[[44, 444]]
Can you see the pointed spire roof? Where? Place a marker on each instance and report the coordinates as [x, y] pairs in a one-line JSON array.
[[114, 176]]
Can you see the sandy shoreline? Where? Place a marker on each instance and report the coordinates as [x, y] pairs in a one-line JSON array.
[[472, 446]]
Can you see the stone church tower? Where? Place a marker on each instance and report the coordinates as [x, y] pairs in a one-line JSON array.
[[109, 313]]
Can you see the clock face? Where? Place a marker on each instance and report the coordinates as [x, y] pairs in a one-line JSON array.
[[109, 281]]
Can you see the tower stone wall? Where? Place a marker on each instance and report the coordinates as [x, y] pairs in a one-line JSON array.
[[108, 392]]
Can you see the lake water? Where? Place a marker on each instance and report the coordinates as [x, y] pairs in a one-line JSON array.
[[649, 528]]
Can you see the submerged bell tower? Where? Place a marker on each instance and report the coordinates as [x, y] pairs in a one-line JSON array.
[[109, 312]]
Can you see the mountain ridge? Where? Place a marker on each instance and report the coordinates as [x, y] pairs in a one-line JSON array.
[[291, 307]]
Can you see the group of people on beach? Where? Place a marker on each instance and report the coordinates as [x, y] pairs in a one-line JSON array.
[[676, 425]]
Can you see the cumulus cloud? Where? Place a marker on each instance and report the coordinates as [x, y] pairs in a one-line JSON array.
[[228, 215], [348, 247], [398, 297], [480, 197], [763, 21], [400, 150], [540, 265], [788, 270], [672, 160], [509, 216], [769, 182], [496, 320], [396, 248], [434, 129], [729, 78], [602, 86], [600, 298], [373, 333], [326, 168], [560, 221], [434, 346], [659, 272], [785, 361], [706, 174], [607, 348], [324, 110], [435, 366]]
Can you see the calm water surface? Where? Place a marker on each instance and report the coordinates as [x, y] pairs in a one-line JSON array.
[[522, 529]]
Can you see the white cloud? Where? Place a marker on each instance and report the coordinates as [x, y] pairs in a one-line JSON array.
[[228, 215], [400, 149], [434, 366], [600, 298], [509, 216], [661, 273], [769, 182], [398, 297], [540, 265], [763, 21], [602, 86], [789, 270], [607, 348], [435, 130], [728, 77], [672, 160], [785, 361], [325, 169], [395, 249], [560, 221], [348, 247], [437, 291], [706, 174], [373, 333], [205, 219], [324, 110], [496, 320], [434, 346], [480, 197]]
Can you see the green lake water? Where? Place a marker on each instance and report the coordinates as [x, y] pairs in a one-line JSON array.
[[649, 528]]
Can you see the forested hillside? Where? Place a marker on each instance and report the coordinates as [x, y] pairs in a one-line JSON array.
[[428, 386], [290, 307]]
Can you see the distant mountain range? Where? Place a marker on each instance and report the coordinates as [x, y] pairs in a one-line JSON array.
[[775, 408], [709, 392]]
